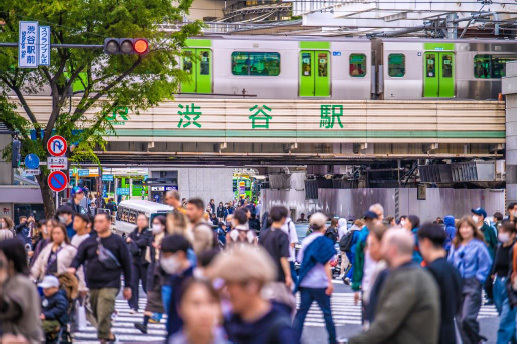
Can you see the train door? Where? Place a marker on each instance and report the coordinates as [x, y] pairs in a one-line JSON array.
[[314, 73], [197, 64], [439, 80]]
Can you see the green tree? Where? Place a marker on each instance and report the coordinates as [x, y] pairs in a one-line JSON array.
[[106, 82]]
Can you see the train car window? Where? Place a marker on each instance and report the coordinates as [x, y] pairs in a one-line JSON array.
[[322, 64], [205, 63], [430, 66], [187, 63], [251, 63], [396, 65], [306, 64], [120, 210], [491, 66], [447, 71], [357, 65]]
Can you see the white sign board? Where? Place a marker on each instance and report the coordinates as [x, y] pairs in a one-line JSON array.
[[57, 163], [27, 45], [44, 46], [35, 172]]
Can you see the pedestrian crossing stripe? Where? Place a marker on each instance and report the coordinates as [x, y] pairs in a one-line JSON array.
[[344, 312]]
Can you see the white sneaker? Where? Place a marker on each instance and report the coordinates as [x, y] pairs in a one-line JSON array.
[[133, 311]]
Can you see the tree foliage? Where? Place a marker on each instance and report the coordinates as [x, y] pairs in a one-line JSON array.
[[108, 82]]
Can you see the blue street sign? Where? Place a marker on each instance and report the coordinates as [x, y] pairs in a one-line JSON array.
[[32, 161], [123, 191], [83, 173], [336, 53], [157, 198], [107, 177]]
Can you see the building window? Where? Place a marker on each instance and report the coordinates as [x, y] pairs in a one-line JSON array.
[[491, 66], [396, 65], [256, 64], [357, 65]]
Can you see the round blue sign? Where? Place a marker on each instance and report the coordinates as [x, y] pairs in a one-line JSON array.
[[32, 161]]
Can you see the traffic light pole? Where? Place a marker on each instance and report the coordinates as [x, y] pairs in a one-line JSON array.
[[76, 46]]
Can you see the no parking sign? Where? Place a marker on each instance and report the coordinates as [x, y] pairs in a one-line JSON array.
[[57, 181], [57, 145]]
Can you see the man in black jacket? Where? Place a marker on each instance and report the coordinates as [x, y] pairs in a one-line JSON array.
[[430, 242], [103, 273], [138, 242]]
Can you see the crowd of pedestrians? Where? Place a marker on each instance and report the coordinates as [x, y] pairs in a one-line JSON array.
[[234, 279]]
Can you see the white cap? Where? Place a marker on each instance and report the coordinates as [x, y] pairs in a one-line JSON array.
[[49, 281]]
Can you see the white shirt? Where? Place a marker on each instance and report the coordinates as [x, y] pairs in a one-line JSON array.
[[290, 229], [78, 239]]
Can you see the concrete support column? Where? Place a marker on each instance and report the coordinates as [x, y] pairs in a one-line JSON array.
[[510, 90]]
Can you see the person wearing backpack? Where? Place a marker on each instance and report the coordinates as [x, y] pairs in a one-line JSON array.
[[331, 232], [347, 244]]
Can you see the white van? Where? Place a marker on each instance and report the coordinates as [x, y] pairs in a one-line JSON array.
[[128, 211]]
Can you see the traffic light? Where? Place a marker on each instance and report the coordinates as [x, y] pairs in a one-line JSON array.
[[16, 153], [116, 46]]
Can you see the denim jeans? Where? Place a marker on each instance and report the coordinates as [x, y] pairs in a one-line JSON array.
[[166, 297], [307, 296], [351, 258], [506, 331]]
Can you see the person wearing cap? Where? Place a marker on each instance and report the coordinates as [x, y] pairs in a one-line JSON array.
[[315, 277], [54, 306], [77, 194], [177, 266], [478, 216], [363, 263]]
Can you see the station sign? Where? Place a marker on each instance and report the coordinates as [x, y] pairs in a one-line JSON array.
[[28, 44], [57, 181], [107, 178], [123, 191], [57, 163], [57, 145], [31, 172], [83, 173]]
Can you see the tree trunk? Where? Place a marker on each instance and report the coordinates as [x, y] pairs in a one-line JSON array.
[[49, 202]]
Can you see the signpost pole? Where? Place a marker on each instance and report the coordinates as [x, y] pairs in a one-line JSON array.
[[57, 200]]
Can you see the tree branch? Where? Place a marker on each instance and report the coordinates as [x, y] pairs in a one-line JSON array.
[[26, 107], [102, 92]]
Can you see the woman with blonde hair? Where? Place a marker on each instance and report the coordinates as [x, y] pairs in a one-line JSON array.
[[469, 254]]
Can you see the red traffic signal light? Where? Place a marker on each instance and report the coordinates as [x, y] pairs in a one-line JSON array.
[[115, 46]]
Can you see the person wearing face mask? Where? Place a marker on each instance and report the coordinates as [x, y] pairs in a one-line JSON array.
[[469, 254], [501, 267], [200, 309], [512, 212], [65, 215], [175, 263], [154, 306], [478, 216], [138, 243]]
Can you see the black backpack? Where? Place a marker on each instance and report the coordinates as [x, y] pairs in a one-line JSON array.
[[331, 234], [345, 243]]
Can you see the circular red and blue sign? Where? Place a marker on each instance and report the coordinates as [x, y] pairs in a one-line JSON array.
[[57, 145], [57, 181]]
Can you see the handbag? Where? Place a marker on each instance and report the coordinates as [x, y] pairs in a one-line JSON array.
[[106, 257], [80, 316]]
